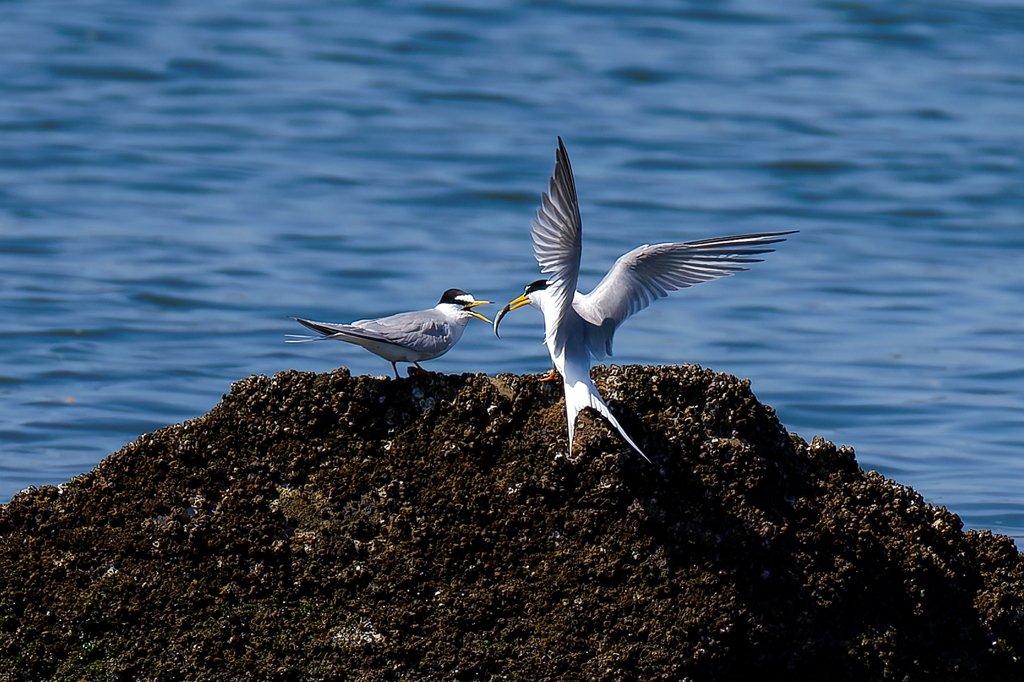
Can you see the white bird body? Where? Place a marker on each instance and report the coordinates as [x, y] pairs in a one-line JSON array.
[[405, 337], [571, 354], [580, 327]]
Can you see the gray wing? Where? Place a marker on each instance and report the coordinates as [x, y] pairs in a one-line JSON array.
[[648, 273], [328, 330], [557, 233], [423, 331]]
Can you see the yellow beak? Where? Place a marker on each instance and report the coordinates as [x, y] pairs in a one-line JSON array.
[[517, 303], [476, 314]]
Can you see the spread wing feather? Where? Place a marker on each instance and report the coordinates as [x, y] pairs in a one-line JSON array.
[[649, 272], [557, 234]]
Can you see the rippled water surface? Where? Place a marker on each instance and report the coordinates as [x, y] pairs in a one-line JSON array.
[[176, 178]]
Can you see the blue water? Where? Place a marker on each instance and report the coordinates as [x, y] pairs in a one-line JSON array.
[[178, 177]]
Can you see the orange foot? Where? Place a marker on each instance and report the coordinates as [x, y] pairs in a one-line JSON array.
[[413, 371], [552, 375]]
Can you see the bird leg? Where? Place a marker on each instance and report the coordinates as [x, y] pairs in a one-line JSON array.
[[395, 367], [552, 375], [417, 370]]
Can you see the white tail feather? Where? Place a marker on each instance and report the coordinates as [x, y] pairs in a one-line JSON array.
[[580, 392]]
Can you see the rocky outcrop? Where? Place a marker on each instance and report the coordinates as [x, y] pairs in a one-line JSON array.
[[329, 527]]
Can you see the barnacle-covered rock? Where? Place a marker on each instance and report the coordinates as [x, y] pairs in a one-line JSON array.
[[434, 528]]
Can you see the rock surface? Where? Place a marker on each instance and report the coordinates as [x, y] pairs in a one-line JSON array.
[[432, 528]]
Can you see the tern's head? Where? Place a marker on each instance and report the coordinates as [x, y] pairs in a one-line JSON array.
[[459, 302], [534, 293]]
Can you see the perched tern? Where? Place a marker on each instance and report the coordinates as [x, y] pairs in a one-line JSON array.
[[405, 337], [579, 327]]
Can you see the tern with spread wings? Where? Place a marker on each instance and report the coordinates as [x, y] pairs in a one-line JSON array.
[[579, 327], [405, 337]]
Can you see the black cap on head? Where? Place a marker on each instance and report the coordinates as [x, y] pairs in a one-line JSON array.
[[456, 297], [536, 286]]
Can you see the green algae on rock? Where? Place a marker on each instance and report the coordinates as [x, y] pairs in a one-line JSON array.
[[432, 528]]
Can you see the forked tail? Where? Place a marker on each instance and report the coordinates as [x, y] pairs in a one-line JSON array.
[[580, 392]]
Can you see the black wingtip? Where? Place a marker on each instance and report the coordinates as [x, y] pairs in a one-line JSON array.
[[562, 151], [563, 170]]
